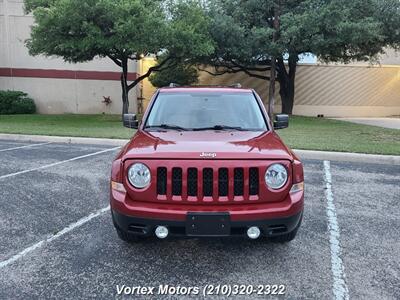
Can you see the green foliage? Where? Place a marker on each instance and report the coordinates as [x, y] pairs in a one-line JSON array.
[[122, 30], [334, 30], [189, 30], [182, 74], [247, 38], [79, 30], [16, 102]]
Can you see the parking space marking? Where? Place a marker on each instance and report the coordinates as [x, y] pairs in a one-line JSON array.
[[340, 289], [50, 238], [58, 163], [26, 146]]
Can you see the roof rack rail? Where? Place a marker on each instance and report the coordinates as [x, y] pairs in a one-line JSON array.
[[236, 85]]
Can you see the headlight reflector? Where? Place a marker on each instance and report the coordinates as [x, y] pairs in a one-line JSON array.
[[276, 176], [139, 175]]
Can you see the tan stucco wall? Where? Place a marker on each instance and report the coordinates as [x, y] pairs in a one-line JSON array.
[[51, 95], [58, 96], [331, 90], [148, 89], [335, 91]]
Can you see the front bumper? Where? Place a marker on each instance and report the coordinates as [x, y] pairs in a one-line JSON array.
[[146, 226], [141, 218], [291, 205]]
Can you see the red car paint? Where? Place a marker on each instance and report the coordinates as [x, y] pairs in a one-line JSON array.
[[186, 149]]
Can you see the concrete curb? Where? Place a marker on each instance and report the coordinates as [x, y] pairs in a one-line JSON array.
[[349, 157], [62, 139], [303, 154]]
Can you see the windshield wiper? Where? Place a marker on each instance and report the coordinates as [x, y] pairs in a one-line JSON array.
[[167, 126], [220, 127]]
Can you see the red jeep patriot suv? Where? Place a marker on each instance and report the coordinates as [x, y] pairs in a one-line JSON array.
[[206, 161]]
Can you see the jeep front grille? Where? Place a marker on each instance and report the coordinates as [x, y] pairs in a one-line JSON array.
[[253, 181], [238, 179], [208, 183], [223, 182], [176, 181], [162, 181], [192, 182]]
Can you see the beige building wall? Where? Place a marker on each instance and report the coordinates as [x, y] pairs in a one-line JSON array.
[[147, 88], [332, 90], [56, 90], [356, 90]]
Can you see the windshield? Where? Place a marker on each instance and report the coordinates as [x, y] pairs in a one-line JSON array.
[[205, 111]]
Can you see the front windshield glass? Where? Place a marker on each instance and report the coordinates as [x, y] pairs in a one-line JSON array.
[[206, 110]]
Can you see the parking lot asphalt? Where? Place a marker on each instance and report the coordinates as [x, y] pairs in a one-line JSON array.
[[57, 239]]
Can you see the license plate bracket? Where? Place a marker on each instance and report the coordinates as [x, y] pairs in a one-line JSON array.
[[208, 224]]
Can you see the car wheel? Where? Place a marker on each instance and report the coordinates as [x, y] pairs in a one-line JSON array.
[[288, 236], [285, 237], [127, 237]]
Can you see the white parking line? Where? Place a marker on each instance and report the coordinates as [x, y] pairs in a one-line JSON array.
[[50, 238], [26, 146], [58, 163], [340, 289]]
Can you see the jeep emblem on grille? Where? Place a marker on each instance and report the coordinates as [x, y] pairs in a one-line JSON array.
[[208, 154]]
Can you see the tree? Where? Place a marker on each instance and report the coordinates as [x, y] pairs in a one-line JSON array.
[[122, 30], [182, 73], [334, 30]]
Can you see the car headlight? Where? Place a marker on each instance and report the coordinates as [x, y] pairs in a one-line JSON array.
[[139, 175], [276, 176]]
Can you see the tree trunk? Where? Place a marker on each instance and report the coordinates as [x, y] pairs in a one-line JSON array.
[[287, 83], [276, 24], [286, 92], [124, 86], [271, 90]]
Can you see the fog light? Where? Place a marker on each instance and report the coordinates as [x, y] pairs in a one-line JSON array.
[[161, 232], [253, 232]]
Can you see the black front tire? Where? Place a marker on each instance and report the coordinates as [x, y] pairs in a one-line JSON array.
[[128, 237], [285, 237], [288, 236], [125, 236]]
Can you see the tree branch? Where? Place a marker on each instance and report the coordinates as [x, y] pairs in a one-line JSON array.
[[233, 70], [230, 62], [158, 67], [115, 60], [212, 73]]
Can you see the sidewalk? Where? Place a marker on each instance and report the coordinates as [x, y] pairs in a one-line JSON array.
[[392, 122]]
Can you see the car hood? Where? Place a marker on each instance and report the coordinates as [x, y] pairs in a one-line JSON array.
[[210, 144]]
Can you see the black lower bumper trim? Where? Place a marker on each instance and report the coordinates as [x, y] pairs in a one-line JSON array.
[[146, 227]]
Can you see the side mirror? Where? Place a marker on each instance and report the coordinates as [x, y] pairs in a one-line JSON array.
[[281, 121], [130, 121]]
